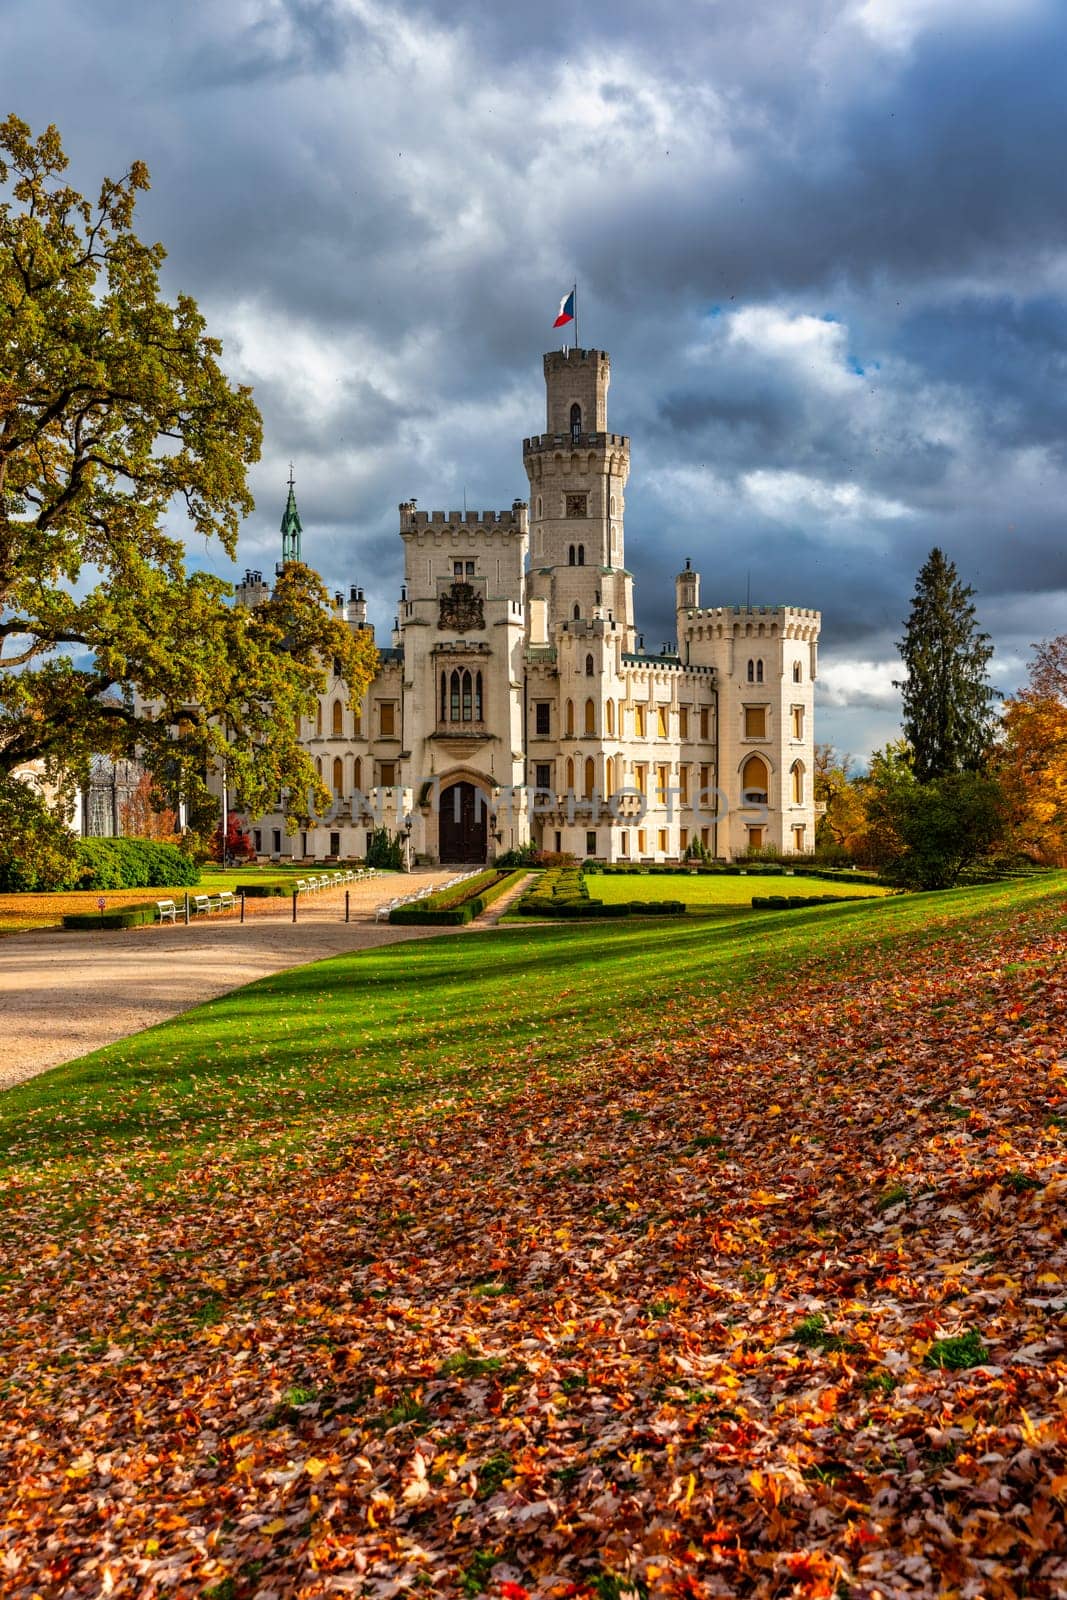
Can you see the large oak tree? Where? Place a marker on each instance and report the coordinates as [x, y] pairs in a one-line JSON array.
[[120, 435]]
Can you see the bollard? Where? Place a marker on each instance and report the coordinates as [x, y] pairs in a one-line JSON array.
[[346, 905], [187, 908], [294, 904], [242, 905]]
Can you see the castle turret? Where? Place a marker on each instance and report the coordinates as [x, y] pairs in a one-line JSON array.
[[252, 591], [578, 473]]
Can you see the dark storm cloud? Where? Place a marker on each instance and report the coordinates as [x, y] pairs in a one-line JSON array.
[[825, 242]]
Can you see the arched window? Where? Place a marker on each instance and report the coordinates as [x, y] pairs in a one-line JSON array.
[[590, 779], [576, 423], [759, 671], [467, 697], [589, 666], [539, 506], [318, 720], [338, 777], [577, 613], [318, 765], [798, 672], [357, 722], [478, 697], [752, 672], [581, 555], [453, 697], [609, 775], [590, 717], [610, 709], [611, 506], [570, 774], [338, 723], [444, 697], [570, 556], [796, 773], [357, 774], [754, 782], [568, 721]]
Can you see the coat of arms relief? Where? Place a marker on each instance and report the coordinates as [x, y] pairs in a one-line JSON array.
[[461, 609]]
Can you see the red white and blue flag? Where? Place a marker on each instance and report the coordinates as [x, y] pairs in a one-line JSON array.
[[566, 310]]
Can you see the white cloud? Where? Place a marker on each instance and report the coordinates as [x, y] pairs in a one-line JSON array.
[[848, 682], [896, 24], [791, 496]]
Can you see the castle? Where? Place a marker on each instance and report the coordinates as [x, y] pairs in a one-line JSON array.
[[516, 703]]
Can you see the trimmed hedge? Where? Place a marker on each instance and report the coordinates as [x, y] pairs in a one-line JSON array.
[[453, 915], [796, 902], [756, 869], [563, 892], [123, 917], [268, 891]]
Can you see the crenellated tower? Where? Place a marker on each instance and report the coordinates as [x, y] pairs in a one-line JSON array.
[[578, 471]]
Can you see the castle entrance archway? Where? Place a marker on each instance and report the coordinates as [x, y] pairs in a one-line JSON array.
[[463, 823]]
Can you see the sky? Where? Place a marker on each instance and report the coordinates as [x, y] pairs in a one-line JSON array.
[[824, 242]]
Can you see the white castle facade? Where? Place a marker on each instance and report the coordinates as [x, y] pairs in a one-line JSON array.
[[516, 703]]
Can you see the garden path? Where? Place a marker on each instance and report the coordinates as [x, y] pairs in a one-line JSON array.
[[63, 994]]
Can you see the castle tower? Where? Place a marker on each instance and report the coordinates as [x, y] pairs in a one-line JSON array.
[[291, 529], [578, 473]]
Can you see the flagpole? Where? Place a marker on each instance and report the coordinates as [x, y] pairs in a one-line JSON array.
[[574, 291]]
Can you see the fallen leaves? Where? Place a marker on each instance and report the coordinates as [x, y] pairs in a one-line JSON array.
[[773, 1308]]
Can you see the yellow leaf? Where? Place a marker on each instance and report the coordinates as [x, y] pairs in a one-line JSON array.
[[275, 1526], [314, 1467]]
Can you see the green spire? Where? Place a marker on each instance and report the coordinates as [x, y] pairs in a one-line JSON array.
[[291, 529]]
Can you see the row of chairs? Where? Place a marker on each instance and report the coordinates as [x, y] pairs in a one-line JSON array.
[[335, 880], [382, 913]]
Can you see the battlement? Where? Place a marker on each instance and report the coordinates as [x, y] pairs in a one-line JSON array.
[[584, 441], [754, 613], [506, 522], [557, 360]]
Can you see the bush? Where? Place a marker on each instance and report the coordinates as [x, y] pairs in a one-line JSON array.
[[454, 908], [266, 891], [385, 849], [121, 917], [130, 864]]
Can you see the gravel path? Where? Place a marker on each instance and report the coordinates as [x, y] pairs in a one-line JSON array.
[[64, 994]]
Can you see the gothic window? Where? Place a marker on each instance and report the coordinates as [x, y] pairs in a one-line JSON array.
[[798, 722], [357, 774], [798, 672], [338, 777], [570, 556], [759, 671], [611, 717], [570, 774], [796, 773], [318, 765], [318, 721], [467, 697], [754, 782], [752, 672], [357, 722], [609, 776], [576, 423], [453, 708], [478, 697], [577, 613], [589, 666], [444, 697], [569, 717], [590, 717], [581, 555], [539, 507], [338, 726], [590, 779]]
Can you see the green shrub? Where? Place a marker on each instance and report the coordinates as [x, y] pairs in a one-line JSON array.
[[268, 891], [385, 849], [130, 864], [456, 907], [121, 917]]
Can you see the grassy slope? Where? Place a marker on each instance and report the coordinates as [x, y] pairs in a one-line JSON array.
[[304, 1056], [715, 891]]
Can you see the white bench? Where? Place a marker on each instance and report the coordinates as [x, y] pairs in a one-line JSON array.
[[200, 903], [167, 911], [227, 900]]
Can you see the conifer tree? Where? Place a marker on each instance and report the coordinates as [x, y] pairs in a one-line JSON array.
[[948, 718]]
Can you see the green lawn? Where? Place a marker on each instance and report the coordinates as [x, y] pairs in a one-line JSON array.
[[715, 890], [310, 1056]]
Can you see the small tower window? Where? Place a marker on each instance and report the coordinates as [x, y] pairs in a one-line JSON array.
[[570, 556], [478, 697], [577, 613], [759, 671], [576, 423], [581, 555], [752, 672], [798, 672], [589, 666], [337, 719]]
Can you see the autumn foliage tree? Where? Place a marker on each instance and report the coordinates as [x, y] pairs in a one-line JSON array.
[[119, 432], [1032, 758], [237, 846]]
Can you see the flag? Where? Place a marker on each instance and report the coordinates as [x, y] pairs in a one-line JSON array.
[[566, 310]]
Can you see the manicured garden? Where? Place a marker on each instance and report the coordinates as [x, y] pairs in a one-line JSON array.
[[658, 1257], [705, 891]]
